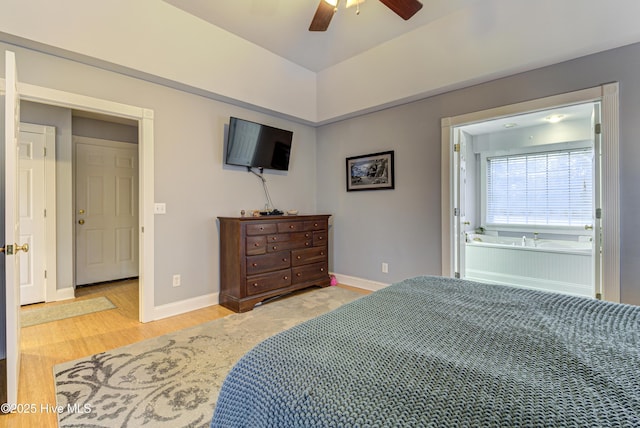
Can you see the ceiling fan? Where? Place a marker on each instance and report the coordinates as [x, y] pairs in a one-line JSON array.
[[326, 9]]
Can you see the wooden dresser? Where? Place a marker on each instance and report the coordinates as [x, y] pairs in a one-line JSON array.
[[263, 257]]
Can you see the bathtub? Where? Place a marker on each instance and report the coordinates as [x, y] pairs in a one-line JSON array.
[[543, 264]]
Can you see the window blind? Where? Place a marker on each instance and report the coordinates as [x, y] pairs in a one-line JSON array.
[[551, 188]]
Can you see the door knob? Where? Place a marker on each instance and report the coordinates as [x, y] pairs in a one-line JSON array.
[[81, 221], [12, 249], [23, 247]]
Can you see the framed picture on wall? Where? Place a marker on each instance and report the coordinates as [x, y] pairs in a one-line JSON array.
[[370, 172]]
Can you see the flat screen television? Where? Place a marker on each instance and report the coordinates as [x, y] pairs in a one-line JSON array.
[[255, 145]]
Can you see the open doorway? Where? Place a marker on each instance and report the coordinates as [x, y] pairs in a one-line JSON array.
[[143, 120], [527, 191], [604, 215]]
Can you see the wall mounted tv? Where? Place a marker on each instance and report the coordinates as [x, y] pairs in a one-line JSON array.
[[255, 145]]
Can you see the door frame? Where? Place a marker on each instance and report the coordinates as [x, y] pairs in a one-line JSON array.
[[607, 95], [144, 117]]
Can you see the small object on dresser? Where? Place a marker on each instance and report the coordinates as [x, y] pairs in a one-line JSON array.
[[242, 213], [292, 212]]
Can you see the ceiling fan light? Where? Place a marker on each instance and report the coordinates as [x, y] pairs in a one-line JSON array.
[[333, 3], [354, 3]]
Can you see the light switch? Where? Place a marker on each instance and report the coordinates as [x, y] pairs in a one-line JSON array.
[[160, 208]]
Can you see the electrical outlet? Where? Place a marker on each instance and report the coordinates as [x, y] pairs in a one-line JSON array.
[[159, 208], [385, 267], [176, 280]]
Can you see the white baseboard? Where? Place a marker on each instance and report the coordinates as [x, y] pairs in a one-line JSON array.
[[178, 308], [365, 284], [64, 294], [184, 306]]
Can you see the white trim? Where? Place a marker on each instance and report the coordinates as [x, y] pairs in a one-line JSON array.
[[608, 96], [365, 284], [184, 306], [65, 294], [144, 117]]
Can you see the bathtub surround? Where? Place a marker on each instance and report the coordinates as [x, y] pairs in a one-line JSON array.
[[562, 266]]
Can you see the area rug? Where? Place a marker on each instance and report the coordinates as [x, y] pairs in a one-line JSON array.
[[29, 317], [174, 380]]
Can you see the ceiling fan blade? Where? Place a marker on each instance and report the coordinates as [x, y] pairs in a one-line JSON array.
[[403, 8], [323, 16]]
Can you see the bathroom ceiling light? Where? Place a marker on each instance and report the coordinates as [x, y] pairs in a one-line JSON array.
[[554, 118]]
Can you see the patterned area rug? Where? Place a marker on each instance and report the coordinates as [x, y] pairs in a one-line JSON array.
[[29, 317], [173, 380]]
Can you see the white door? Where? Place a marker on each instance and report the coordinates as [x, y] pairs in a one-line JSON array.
[[106, 210], [31, 206], [12, 227], [463, 223]]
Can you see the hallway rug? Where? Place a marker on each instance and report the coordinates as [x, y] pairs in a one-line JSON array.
[[174, 380], [29, 317]]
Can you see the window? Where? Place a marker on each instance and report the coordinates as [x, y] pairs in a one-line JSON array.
[[541, 189]]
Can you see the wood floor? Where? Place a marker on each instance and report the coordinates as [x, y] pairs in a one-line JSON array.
[[46, 345]]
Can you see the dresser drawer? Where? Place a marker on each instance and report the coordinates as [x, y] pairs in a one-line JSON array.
[[256, 245], [279, 242], [309, 272], [320, 238], [268, 262], [261, 228], [257, 284], [315, 225], [307, 256], [290, 226], [301, 240]]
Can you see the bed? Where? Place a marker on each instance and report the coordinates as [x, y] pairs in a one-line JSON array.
[[442, 352]]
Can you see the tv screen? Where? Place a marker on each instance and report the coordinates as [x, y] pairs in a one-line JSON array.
[[258, 146]]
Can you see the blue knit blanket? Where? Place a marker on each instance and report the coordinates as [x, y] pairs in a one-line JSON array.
[[440, 352]]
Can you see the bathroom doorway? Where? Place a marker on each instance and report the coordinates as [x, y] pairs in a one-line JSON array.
[[521, 196], [527, 195]]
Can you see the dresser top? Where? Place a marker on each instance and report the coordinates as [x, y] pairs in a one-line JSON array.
[[277, 217]]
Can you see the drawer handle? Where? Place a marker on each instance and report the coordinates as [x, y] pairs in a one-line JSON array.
[[284, 259], [275, 247], [257, 244], [322, 253], [275, 238], [306, 244], [261, 227], [306, 235], [285, 277], [321, 269], [255, 284], [298, 257], [315, 224], [298, 274], [254, 264], [320, 238], [291, 226]]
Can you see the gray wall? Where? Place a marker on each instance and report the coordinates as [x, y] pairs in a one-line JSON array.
[[94, 128], [402, 226], [189, 173]]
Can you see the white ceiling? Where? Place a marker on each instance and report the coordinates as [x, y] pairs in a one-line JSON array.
[[580, 112], [281, 26]]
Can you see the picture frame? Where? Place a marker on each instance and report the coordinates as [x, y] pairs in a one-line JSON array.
[[373, 171]]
